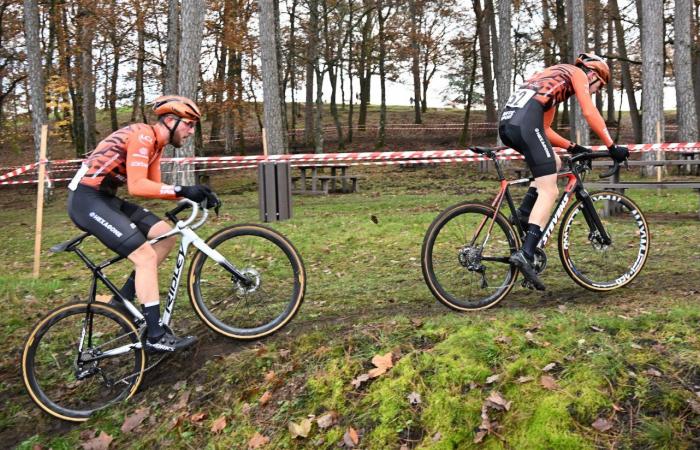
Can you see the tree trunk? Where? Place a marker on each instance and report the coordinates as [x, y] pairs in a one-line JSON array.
[[466, 136], [311, 63], [36, 75], [272, 111], [482, 19], [171, 64], [696, 63], [598, 44], [610, 87], [683, 70], [138, 109], [351, 105], [580, 130], [625, 69], [503, 72], [415, 60], [291, 66], [280, 75], [332, 63], [220, 74], [87, 33], [189, 56], [381, 19], [652, 74], [364, 64]]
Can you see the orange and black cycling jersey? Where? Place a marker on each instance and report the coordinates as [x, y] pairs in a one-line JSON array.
[[130, 155], [556, 84]]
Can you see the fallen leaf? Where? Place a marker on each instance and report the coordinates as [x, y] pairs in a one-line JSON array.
[[493, 378], [198, 417], [522, 380], [497, 399], [652, 372], [184, 399], [695, 406], [101, 442], [480, 435], [374, 219], [636, 346], [299, 429], [417, 323], [257, 441], [134, 420], [602, 424], [562, 308], [436, 437], [269, 376], [414, 398], [219, 424], [350, 438], [595, 328], [245, 409], [504, 339], [177, 420], [359, 380], [327, 420], [284, 352], [549, 367], [179, 385], [548, 382], [529, 336], [261, 350], [87, 434], [382, 364], [267, 395], [618, 408]]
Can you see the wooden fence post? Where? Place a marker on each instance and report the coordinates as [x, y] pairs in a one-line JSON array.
[[40, 200]]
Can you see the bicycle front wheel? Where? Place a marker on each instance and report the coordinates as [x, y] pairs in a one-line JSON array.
[[597, 265], [62, 366], [465, 257], [271, 295]]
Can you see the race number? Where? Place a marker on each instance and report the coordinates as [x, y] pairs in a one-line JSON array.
[[520, 97]]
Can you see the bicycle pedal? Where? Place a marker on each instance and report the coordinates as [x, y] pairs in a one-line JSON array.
[[528, 285]]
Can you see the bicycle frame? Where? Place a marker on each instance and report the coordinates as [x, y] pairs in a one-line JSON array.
[[189, 237], [574, 185]]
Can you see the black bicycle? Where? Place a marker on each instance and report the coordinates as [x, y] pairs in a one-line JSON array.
[[603, 240], [244, 282]]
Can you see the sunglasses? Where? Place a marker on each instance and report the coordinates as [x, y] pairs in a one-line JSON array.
[[190, 123]]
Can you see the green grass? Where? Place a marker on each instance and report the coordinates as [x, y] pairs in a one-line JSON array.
[[366, 296]]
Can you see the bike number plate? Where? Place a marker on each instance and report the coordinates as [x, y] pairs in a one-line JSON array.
[[520, 97]]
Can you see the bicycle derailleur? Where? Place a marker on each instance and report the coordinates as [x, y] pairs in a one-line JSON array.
[[470, 257]]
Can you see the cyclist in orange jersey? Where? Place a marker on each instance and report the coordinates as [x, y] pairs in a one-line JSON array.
[[525, 126], [132, 156]]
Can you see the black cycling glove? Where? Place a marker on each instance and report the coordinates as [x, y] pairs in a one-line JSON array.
[[198, 193], [575, 149], [619, 152]]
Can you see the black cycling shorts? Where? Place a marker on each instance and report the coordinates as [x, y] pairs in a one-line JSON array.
[[120, 225], [522, 129]]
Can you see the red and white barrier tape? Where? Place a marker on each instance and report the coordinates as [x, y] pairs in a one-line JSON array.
[[357, 158]]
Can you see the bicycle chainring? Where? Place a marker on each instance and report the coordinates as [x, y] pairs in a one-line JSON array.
[[540, 260]]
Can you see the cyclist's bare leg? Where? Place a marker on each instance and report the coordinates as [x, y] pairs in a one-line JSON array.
[[163, 247], [145, 261]]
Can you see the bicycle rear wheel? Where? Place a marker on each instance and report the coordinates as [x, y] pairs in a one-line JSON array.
[[52, 368], [465, 266], [270, 298], [589, 261]]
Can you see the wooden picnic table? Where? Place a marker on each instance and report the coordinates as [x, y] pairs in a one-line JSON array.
[[338, 173]]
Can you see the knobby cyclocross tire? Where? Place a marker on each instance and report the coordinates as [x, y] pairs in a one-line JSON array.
[[449, 238], [278, 282], [598, 267], [50, 354]]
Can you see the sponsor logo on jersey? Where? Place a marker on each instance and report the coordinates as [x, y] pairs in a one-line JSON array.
[[138, 155], [105, 224], [138, 164], [145, 138], [143, 151], [167, 190], [507, 115]]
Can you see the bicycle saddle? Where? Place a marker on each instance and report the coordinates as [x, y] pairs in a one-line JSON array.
[[69, 244]]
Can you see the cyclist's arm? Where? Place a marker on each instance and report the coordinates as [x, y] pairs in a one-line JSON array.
[[137, 173], [590, 112], [554, 137]]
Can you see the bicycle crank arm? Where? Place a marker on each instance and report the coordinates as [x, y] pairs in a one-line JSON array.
[[114, 352]]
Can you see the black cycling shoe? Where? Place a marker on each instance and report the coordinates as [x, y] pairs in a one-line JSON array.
[[527, 268], [168, 342]]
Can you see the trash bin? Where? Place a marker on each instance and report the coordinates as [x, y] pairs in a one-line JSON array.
[[275, 191]]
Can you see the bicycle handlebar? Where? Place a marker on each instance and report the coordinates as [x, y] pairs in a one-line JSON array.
[[183, 205], [588, 156]]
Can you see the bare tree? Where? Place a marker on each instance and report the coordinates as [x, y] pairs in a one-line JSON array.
[[504, 63], [189, 56], [171, 64], [682, 69], [415, 12], [580, 130], [482, 21], [86, 21], [36, 74], [652, 73], [272, 111]]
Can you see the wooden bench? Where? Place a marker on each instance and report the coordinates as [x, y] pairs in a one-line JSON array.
[[621, 186], [328, 184]]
